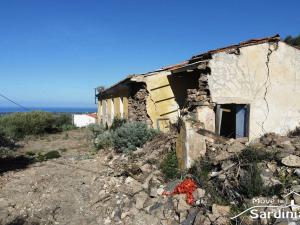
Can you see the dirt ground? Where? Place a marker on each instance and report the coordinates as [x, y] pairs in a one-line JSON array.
[[58, 191], [69, 143], [85, 187]]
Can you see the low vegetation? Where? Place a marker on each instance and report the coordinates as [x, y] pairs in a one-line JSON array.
[[122, 136], [169, 166], [18, 125], [40, 157], [104, 140], [295, 132], [132, 135], [118, 122], [293, 40]]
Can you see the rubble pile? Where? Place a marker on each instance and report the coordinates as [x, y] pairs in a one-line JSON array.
[[115, 188]]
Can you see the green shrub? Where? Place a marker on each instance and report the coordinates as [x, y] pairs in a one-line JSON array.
[[62, 119], [169, 166], [52, 155], [40, 157], [252, 154], [132, 135], [30, 153], [201, 169], [295, 132], [18, 125], [66, 127], [104, 140], [5, 141], [96, 129], [117, 122], [251, 183]]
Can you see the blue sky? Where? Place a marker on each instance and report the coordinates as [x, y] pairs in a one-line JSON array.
[[54, 52]]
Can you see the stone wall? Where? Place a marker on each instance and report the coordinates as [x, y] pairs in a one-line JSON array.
[[137, 107]]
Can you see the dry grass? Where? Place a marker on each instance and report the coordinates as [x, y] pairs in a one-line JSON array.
[[71, 142]]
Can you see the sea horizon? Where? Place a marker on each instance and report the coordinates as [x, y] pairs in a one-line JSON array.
[[55, 109]]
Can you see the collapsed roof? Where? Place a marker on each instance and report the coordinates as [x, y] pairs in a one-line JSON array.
[[197, 61]]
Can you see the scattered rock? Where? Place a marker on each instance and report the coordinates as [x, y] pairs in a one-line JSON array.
[[235, 147], [181, 203], [133, 184], [140, 199], [296, 188], [199, 193], [297, 172], [220, 210], [153, 192], [291, 161]]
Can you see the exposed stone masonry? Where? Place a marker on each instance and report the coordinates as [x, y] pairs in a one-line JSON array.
[[137, 108]]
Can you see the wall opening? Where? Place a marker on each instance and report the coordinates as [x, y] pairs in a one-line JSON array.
[[232, 120], [181, 82]]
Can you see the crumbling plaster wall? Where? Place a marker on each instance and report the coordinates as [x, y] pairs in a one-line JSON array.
[[266, 76]]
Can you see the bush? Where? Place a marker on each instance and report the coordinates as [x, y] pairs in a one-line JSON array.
[[117, 122], [5, 141], [252, 154], [200, 170], [18, 125], [30, 154], [295, 132], [66, 127], [62, 119], [169, 166], [96, 129], [104, 140], [40, 157], [52, 155], [132, 135], [251, 183]]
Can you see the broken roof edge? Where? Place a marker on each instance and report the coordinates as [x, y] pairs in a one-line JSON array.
[[274, 38], [200, 58], [116, 84]]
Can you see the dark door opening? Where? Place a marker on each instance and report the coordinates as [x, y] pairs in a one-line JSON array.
[[232, 120]]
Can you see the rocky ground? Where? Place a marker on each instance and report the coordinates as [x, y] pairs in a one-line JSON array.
[[110, 188]]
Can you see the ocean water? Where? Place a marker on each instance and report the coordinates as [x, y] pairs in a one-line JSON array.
[[4, 110]]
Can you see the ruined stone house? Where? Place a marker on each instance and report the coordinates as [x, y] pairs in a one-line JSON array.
[[239, 91]]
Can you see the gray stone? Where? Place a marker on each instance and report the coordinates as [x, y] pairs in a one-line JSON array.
[[191, 217], [153, 192], [297, 172], [222, 221], [287, 145], [220, 210], [296, 188], [146, 168], [235, 147], [291, 161], [182, 205], [199, 193], [133, 184], [140, 199]]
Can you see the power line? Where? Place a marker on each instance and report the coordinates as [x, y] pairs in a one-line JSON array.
[[12, 101]]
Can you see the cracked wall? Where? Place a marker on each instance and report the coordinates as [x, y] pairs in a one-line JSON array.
[[266, 76]]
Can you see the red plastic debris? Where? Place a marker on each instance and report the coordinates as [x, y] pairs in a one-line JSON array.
[[187, 186]]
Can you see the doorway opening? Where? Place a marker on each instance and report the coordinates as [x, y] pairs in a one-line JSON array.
[[232, 120]]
